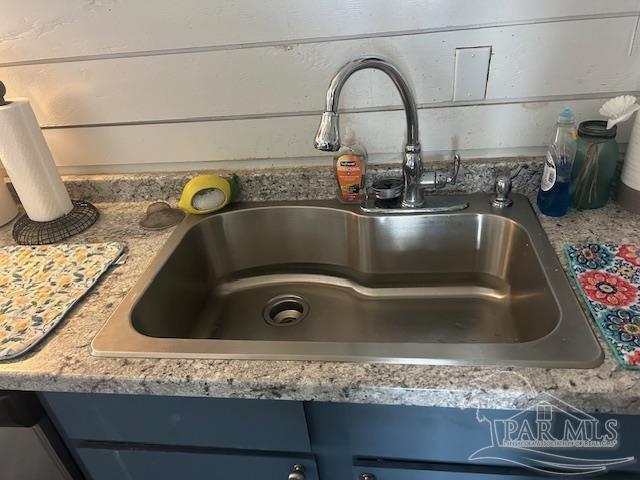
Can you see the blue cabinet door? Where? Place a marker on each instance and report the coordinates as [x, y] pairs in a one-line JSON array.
[[341, 432], [133, 464], [462, 472], [184, 421], [385, 473]]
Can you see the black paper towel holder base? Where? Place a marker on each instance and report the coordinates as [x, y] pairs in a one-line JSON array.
[[30, 232]]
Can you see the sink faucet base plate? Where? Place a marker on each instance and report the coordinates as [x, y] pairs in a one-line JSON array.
[[432, 204]]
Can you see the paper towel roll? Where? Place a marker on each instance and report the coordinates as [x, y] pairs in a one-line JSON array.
[[8, 208], [631, 167], [29, 164]]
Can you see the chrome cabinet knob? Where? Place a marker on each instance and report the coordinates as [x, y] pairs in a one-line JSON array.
[[297, 472], [367, 476]]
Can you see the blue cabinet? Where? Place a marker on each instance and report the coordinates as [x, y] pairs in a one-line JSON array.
[[150, 437], [442, 473], [137, 464], [416, 443], [186, 421], [463, 472]]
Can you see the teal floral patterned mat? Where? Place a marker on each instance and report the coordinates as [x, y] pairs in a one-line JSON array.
[[608, 275], [38, 286]]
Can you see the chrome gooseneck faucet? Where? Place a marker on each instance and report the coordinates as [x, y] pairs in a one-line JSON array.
[[328, 136]]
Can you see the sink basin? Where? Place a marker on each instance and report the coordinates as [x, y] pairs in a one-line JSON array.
[[324, 281]]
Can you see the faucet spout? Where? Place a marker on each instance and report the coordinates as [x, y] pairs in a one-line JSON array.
[[328, 135]]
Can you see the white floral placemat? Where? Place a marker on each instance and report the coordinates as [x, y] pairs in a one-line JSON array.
[[38, 286]]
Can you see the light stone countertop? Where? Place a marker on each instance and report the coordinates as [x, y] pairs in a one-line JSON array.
[[63, 362]]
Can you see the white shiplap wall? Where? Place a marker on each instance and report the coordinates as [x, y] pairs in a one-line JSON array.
[[137, 85]]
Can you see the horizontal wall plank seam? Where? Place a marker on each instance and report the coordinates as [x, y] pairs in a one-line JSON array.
[[302, 41], [388, 108]]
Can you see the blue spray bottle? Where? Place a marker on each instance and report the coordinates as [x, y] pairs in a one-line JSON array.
[[553, 196]]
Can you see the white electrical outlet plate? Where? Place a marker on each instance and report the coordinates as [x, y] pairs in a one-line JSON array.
[[471, 73]]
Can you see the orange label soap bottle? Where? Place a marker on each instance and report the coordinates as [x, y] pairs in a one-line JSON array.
[[350, 166]]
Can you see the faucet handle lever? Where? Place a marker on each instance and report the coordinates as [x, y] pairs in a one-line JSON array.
[[437, 180], [457, 160], [443, 180]]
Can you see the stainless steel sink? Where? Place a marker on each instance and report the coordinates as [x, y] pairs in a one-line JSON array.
[[319, 280]]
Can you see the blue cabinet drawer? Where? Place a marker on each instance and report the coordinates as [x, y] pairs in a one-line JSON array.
[[341, 432], [113, 464], [444, 435], [465, 472], [384, 473], [200, 422], [397, 432]]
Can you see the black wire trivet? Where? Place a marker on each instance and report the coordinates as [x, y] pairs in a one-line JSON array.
[[28, 232]]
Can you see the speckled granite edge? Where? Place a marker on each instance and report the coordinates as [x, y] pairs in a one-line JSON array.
[[476, 175]]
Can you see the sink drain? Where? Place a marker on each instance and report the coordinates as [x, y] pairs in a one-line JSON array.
[[285, 310]]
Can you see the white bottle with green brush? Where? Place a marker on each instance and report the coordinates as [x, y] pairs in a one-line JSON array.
[[617, 110]]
